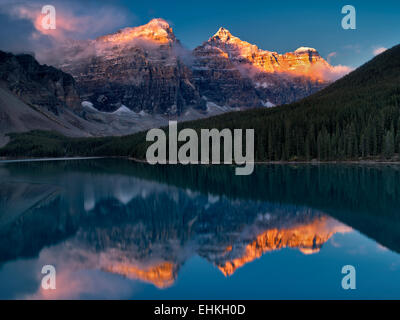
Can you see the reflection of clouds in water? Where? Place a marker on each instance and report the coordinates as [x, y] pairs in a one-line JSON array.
[[83, 285], [79, 275]]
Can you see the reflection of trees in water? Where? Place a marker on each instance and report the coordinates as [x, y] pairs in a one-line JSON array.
[[367, 188]]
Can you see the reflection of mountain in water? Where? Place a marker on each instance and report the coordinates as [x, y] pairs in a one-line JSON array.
[[308, 238], [145, 222]]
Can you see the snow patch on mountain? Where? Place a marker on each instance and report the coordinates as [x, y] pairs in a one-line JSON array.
[[305, 49], [123, 110], [264, 85], [267, 104], [211, 106], [88, 105]]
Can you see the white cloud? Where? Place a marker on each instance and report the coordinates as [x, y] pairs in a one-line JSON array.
[[75, 20]]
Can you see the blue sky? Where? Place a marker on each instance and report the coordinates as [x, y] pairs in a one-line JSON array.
[[280, 26]]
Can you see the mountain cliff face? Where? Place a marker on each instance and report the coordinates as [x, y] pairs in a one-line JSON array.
[[38, 97], [299, 62], [146, 69], [140, 68], [38, 85], [237, 73]]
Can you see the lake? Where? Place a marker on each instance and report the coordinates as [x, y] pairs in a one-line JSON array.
[[116, 229]]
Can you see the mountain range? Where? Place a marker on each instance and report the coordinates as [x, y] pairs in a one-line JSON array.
[[355, 118], [147, 69], [142, 77]]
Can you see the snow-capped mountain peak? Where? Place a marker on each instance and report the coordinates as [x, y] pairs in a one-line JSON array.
[[224, 38], [304, 61], [305, 50], [223, 34], [157, 30]]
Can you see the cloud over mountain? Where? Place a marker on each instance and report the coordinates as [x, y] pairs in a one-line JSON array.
[[74, 20]]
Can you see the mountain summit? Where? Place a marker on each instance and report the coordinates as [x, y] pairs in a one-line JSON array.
[[230, 44], [157, 30], [304, 61], [223, 35], [305, 49], [137, 68], [233, 72]]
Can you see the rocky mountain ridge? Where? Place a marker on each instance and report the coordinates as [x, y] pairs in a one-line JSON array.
[[298, 62], [40, 85], [147, 69], [140, 68], [40, 97]]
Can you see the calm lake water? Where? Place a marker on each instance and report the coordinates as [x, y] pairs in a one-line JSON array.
[[115, 229]]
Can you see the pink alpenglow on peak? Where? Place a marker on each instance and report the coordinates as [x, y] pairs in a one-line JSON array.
[[157, 30], [303, 62], [223, 34], [305, 49]]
